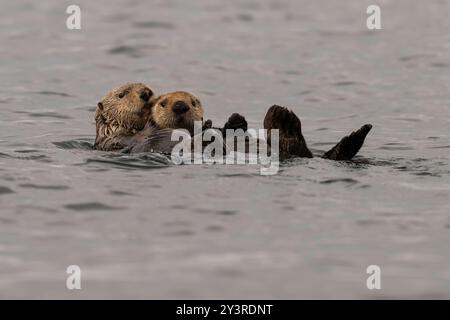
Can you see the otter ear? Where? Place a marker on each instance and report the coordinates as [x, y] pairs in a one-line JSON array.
[[100, 106], [157, 100]]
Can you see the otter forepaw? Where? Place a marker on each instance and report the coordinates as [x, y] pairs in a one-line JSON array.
[[235, 122], [207, 125]]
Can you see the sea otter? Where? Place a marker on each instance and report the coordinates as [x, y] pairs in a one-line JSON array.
[[122, 113], [176, 110], [130, 118], [179, 110]]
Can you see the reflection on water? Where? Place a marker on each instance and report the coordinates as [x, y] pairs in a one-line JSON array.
[[139, 226]]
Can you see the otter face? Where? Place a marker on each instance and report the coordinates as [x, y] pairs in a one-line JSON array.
[[127, 107], [177, 110]]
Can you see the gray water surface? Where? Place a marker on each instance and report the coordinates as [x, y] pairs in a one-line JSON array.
[[141, 229]]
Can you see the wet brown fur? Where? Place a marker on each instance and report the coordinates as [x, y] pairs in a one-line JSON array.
[[120, 114], [163, 115]]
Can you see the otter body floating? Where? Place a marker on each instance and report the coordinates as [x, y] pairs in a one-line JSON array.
[[131, 119]]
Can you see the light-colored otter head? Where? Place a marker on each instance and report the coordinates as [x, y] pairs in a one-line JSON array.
[[177, 110], [123, 111]]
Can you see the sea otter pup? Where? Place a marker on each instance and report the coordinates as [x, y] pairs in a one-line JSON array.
[[177, 110], [122, 113]]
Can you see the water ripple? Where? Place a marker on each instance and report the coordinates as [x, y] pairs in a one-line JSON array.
[[134, 161], [154, 25], [44, 187], [90, 206], [5, 190], [80, 144]]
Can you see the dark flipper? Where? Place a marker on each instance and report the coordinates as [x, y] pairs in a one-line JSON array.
[[292, 143], [349, 146]]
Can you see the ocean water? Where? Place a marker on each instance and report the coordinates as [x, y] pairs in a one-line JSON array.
[[139, 228]]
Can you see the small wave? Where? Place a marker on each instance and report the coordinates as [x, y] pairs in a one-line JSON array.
[[245, 17], [293, 73], [5, 100], [80, 144], [90, 206], [154, 25], [26, 151], [120, 193], [224, 212], [5, 155], [130, 51], [439, 65], [396, 147], [236, 175], [417, 166], [87, 108], [44, 187], [133, 161], [37, 157], [414, 57], [420, 167], [348, 181], [346, 83], [5, 190], [54, 93], [45, 114]]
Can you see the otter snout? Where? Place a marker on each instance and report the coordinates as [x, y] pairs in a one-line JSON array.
[[180, 107], [146, 95]]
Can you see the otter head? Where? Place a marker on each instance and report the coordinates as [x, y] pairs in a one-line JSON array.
[[177, 110], [123, 111]]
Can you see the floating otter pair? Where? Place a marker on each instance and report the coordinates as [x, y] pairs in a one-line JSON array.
[[132, 119]]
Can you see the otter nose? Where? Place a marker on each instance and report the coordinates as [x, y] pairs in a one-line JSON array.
[[180, 107], [145, 95]]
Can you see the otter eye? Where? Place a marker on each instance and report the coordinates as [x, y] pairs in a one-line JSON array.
[[121, 95], [163, 103], [194, 103]]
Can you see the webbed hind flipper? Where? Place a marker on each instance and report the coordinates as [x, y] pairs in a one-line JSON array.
[[349, 145], [291, 143]]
